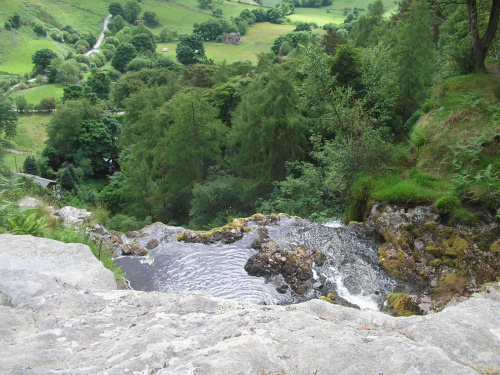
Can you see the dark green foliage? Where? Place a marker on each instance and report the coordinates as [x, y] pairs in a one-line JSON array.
[[100, 84], [260, 15], [274, 15], [115, 8], [218, 198], [150, 18], [72, 92], [303, 193], [115, 25], [68, 179], [42, 59], [214, 27], [8, 118], [190, 49], [346, 66], [144, 42], [123, 55], [131, 10], [30, 166], [294, 38], [268, 131], [303, 26], [13, 21], [47, 104], [225, 98], [90, 38]]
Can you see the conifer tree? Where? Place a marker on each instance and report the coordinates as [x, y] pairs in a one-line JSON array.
[[30, 166]]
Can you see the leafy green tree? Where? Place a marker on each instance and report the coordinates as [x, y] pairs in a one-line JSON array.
[[167, 35], [8, 118], [72, 92], [123, 55], [214, 27], [90, 38], [100, 84], [303, 193], [346, 66], [190, 49], [69, 72], [116, 24], [115, 8], [413, 52], [225, 98], [30, 166], [303, 26], [150, 18], [144, 42], [47, 104], [42, 59], [21, 103], [131, 10], [274, 15]]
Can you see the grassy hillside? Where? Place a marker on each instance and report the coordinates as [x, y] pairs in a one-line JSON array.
[[453, 157], [35, 94]]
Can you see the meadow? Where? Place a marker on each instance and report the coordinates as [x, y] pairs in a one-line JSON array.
[[35, 94]]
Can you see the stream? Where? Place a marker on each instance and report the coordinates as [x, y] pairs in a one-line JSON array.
[[351, 268]]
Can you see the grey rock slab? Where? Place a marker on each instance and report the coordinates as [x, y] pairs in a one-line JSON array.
[[31, 267], [73, 329]]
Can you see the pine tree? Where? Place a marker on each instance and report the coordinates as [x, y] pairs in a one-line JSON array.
[[413, 52], [30, 166]]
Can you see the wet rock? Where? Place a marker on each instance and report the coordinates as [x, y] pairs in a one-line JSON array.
[[319, 258], [134, 249], [227, 234], [317, 285], [152, 244], [295, 266], [403, 304], [132, 234], [430, 257]]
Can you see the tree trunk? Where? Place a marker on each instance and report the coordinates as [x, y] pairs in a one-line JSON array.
[[480, 46]]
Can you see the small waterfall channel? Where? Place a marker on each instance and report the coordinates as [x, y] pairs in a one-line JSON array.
[[351, 269]]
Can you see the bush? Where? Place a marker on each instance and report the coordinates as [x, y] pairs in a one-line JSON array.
[[40, 30], [124, 223], [448, 204]]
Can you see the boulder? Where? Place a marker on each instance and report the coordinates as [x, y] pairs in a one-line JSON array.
[[73, 216], [65, 317], [233, 38], [295, 266]]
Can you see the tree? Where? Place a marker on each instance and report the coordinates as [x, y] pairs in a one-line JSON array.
[[190, 49], [274, 15], [212, 28], [47, 104], [21, 103], [303, 26], [131, 10], [268, 131], [143, 42], [69, 72], [42, 59], [123, 55], [413, 52], [68, 179], [30, 166], [115, 9], [72, 92], [8, 118], [150, 18], [116, 24], [481, 45], [100, 84]]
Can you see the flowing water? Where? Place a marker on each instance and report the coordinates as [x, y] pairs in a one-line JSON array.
[[351, 269]]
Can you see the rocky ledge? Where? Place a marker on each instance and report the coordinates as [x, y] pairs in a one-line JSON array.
[[60, 313], [437, 262]]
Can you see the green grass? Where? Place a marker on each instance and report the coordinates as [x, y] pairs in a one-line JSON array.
[[14, 161], [319, 16], [33, 127], [258, 39], [16, 49], [35, 94]]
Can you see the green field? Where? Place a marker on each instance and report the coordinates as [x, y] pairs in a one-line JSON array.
[[14, 161], [16, 49], [258, 39], [35, 94], [320, 16]]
